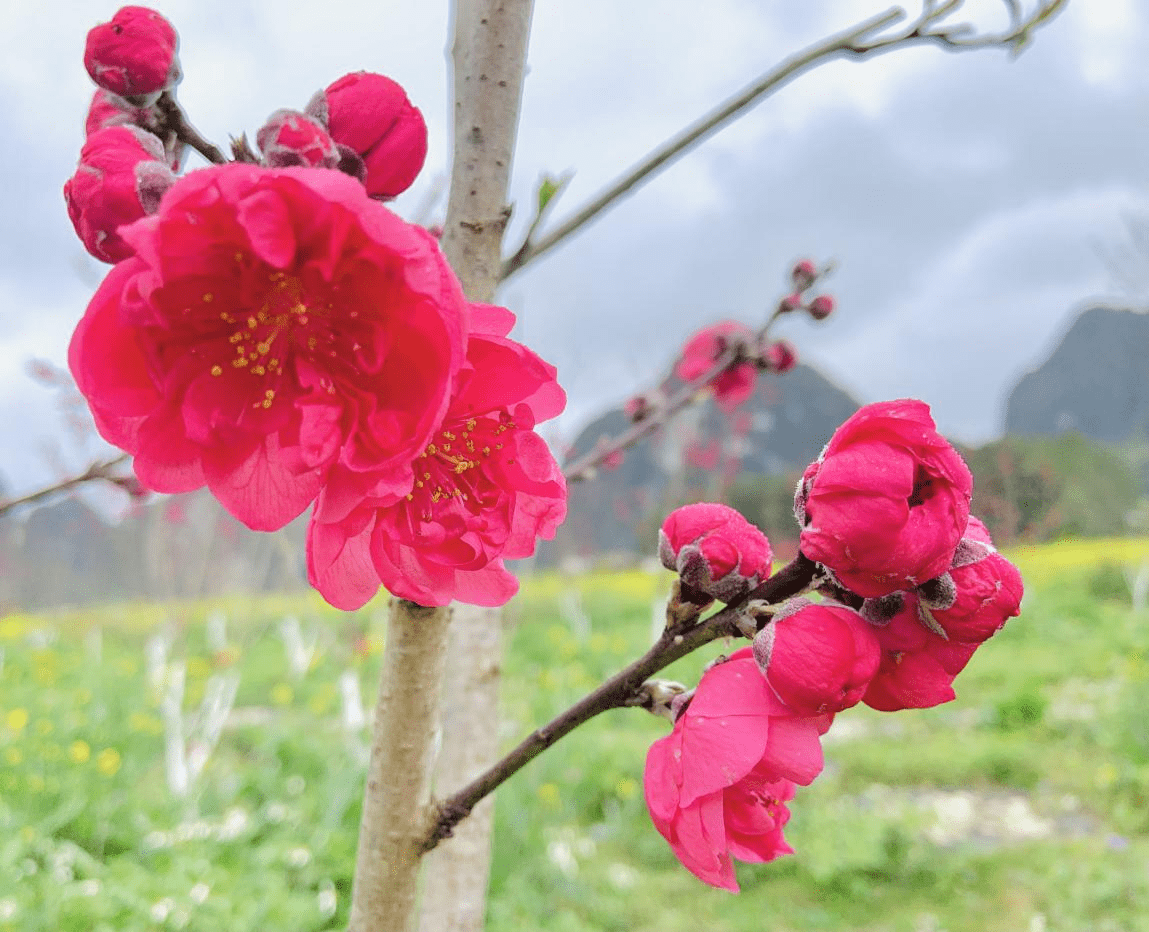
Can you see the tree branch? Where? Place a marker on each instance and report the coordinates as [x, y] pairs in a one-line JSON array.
[[172, 119], [584, 468], [856, 42], [621, 690], [104, 469]]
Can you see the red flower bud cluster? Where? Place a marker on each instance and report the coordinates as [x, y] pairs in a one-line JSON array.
[[744, 352], [275, 333], [914, 587], [804, 275]]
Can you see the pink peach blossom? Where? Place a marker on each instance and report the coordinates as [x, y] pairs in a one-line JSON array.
[[293, 138], [817, 657], [717, 786], [988, 589], [272, 324], [486, 489], [885, 505], [918, 665], [733, 385], [821, 307], [370, 116], [779, 357], [122, 177]]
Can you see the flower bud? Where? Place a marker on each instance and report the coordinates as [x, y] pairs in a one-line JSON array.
[[817, 657], [803, 274], [122, 177], [371, 115], [778, 357], [293, 138], [886, 504], [790, 303], [918, 665], [987, 589], [640, 407], [107, 109], [134, 55], [714, 550], [821, 307]]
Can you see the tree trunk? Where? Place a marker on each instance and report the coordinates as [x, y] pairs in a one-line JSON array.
[[395, 818], [488, 54]]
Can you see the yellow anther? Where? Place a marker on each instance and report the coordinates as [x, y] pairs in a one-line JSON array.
[[216, 370]]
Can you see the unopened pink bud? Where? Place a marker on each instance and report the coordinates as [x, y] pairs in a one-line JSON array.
[[714, 550], [779, 357], [640, 407], [106, 109], [371, 115], [134, 55], [803, 274], [292, 138], [122, 177], [790, 303], [817, 658], [821, 307]]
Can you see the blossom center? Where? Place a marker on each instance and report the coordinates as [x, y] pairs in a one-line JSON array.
[[280, 316], [923, 487], [450, 474]]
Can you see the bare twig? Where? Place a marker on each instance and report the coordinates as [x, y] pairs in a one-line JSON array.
[[858, 41], [102, 470], [621, 690], [174, 120], [586, 466]]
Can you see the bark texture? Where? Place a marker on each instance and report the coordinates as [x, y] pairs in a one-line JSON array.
[[456, 872], [395, 810], [488, 55]]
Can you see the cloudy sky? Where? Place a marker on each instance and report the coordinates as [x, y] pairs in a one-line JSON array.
[[966, 198]]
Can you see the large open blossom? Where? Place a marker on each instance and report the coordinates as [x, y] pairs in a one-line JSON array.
[[884, 506], [717, 785], [486, 488], [271, 324]]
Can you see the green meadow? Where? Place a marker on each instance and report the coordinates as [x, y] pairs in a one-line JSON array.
[[161, 768]]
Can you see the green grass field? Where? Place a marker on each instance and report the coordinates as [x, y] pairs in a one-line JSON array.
[[1024, 805]]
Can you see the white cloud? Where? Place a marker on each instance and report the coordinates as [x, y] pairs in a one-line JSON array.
[[993, 304]]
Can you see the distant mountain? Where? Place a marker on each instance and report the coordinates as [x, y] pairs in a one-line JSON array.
[[782, 428], [63, 554], [1096, 381]]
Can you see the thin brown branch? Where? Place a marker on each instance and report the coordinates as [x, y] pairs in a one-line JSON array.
[[174, 120], [585, 467], [621, 690], [857, 41], [102, 470]]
